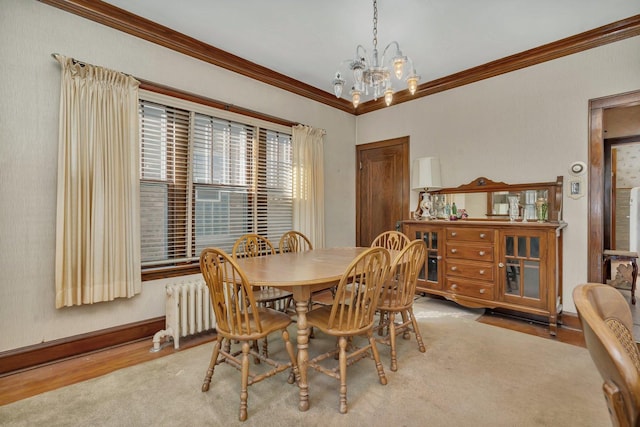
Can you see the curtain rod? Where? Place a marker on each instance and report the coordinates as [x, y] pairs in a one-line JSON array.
[[177, 93], [84, 64]]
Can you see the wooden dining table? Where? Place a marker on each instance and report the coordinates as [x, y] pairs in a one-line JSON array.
[[301, 273]]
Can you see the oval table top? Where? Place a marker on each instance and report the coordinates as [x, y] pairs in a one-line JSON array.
[[317, 266]]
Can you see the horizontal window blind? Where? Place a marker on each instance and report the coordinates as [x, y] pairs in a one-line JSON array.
[[205, 181], [164, 153], [274, 185], [223, 177]]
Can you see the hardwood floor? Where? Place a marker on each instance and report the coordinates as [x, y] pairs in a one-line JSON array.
[[21, 385]]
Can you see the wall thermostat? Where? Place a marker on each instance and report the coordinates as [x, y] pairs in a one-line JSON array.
[[577, 168], [575, 183]]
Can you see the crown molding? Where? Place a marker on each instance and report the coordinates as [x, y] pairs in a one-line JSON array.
[[114, 17]]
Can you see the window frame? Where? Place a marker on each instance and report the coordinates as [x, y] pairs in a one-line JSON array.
[[202, 105]]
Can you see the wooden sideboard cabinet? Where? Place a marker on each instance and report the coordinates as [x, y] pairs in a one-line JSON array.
[[515, 266]]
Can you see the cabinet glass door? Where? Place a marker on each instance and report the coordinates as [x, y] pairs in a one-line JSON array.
[[430, 275], [521, 268]]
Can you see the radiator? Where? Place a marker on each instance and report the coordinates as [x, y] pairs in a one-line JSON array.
[[188, 312]]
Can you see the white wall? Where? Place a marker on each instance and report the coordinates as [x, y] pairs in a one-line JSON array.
[[525, 126], [29, 102]]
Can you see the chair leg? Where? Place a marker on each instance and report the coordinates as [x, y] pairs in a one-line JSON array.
[[342, 357], [392, 341], [265, 348], [256, 347], [244, 393], [416, 331], [405, 321], [294, 376], [381, 323], [212, 364], [376, 357]]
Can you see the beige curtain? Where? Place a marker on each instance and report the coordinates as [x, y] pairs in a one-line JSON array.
[[308, 183], [98, 207]]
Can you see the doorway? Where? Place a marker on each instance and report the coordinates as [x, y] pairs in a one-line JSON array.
[[614, 127], [382, 187], [600, 201]]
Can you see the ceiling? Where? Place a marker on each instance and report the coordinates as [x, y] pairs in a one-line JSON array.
[[307, 40]]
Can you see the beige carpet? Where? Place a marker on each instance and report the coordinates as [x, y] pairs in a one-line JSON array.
[[471, 375]]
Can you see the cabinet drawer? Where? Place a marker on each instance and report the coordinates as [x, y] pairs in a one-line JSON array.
[[470, 234], [478, 271], [470, 289], [471, 252]]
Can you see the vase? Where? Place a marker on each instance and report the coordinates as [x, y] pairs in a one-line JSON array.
[[542, 208], [514, 208]]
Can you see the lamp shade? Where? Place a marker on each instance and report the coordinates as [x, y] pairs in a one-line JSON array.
[[426, 174]]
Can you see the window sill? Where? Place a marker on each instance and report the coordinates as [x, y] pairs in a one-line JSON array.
[[155, 273]]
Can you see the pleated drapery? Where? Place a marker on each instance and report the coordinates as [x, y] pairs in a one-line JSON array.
[[308, 183], [98, 199]]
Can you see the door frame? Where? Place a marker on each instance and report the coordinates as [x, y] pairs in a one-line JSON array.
[[595, 239], [401, 141]]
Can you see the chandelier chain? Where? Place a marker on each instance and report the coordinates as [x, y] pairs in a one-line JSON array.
[[375, 24]]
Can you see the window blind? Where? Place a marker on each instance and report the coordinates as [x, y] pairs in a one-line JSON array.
[[164, 150], [205, 181]]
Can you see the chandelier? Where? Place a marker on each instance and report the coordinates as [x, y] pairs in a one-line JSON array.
[[372, 75]]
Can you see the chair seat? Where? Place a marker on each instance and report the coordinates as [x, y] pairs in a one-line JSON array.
[[319, 318], [270, 319], [390, 301]]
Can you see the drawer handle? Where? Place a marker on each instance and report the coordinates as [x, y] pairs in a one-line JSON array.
[[481, 272], [454, 234], [454, 268], [501, 265], [453, 251], [482, 291], [482, 235], [481, 253], [454, 287], [439, 257]]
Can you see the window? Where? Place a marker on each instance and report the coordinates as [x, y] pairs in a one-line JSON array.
[[208, 178]]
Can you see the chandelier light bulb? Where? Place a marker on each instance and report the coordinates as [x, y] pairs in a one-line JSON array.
[[355, 98], [398, 66], [388, 96], [412, 83]]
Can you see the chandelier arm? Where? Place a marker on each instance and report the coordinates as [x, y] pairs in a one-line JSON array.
[[397, 53], [361, 55]]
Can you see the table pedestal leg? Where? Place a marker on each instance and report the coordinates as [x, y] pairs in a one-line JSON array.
[[303, 352]]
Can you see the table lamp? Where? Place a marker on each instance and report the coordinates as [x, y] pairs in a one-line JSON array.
[[425, 177]]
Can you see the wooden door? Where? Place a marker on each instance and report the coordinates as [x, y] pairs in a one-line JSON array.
[[382, 187]]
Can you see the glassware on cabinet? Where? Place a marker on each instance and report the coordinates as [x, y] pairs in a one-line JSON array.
[[514, 207], [542, 209]]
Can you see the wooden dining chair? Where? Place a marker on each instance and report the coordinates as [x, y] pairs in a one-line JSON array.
[[397, 296], [352, 315], [392, 240], [294, 241], [240, 319], [607, 324], [253, 245]]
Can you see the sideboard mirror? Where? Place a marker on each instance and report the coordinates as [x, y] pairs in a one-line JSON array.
[[485, 199]]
